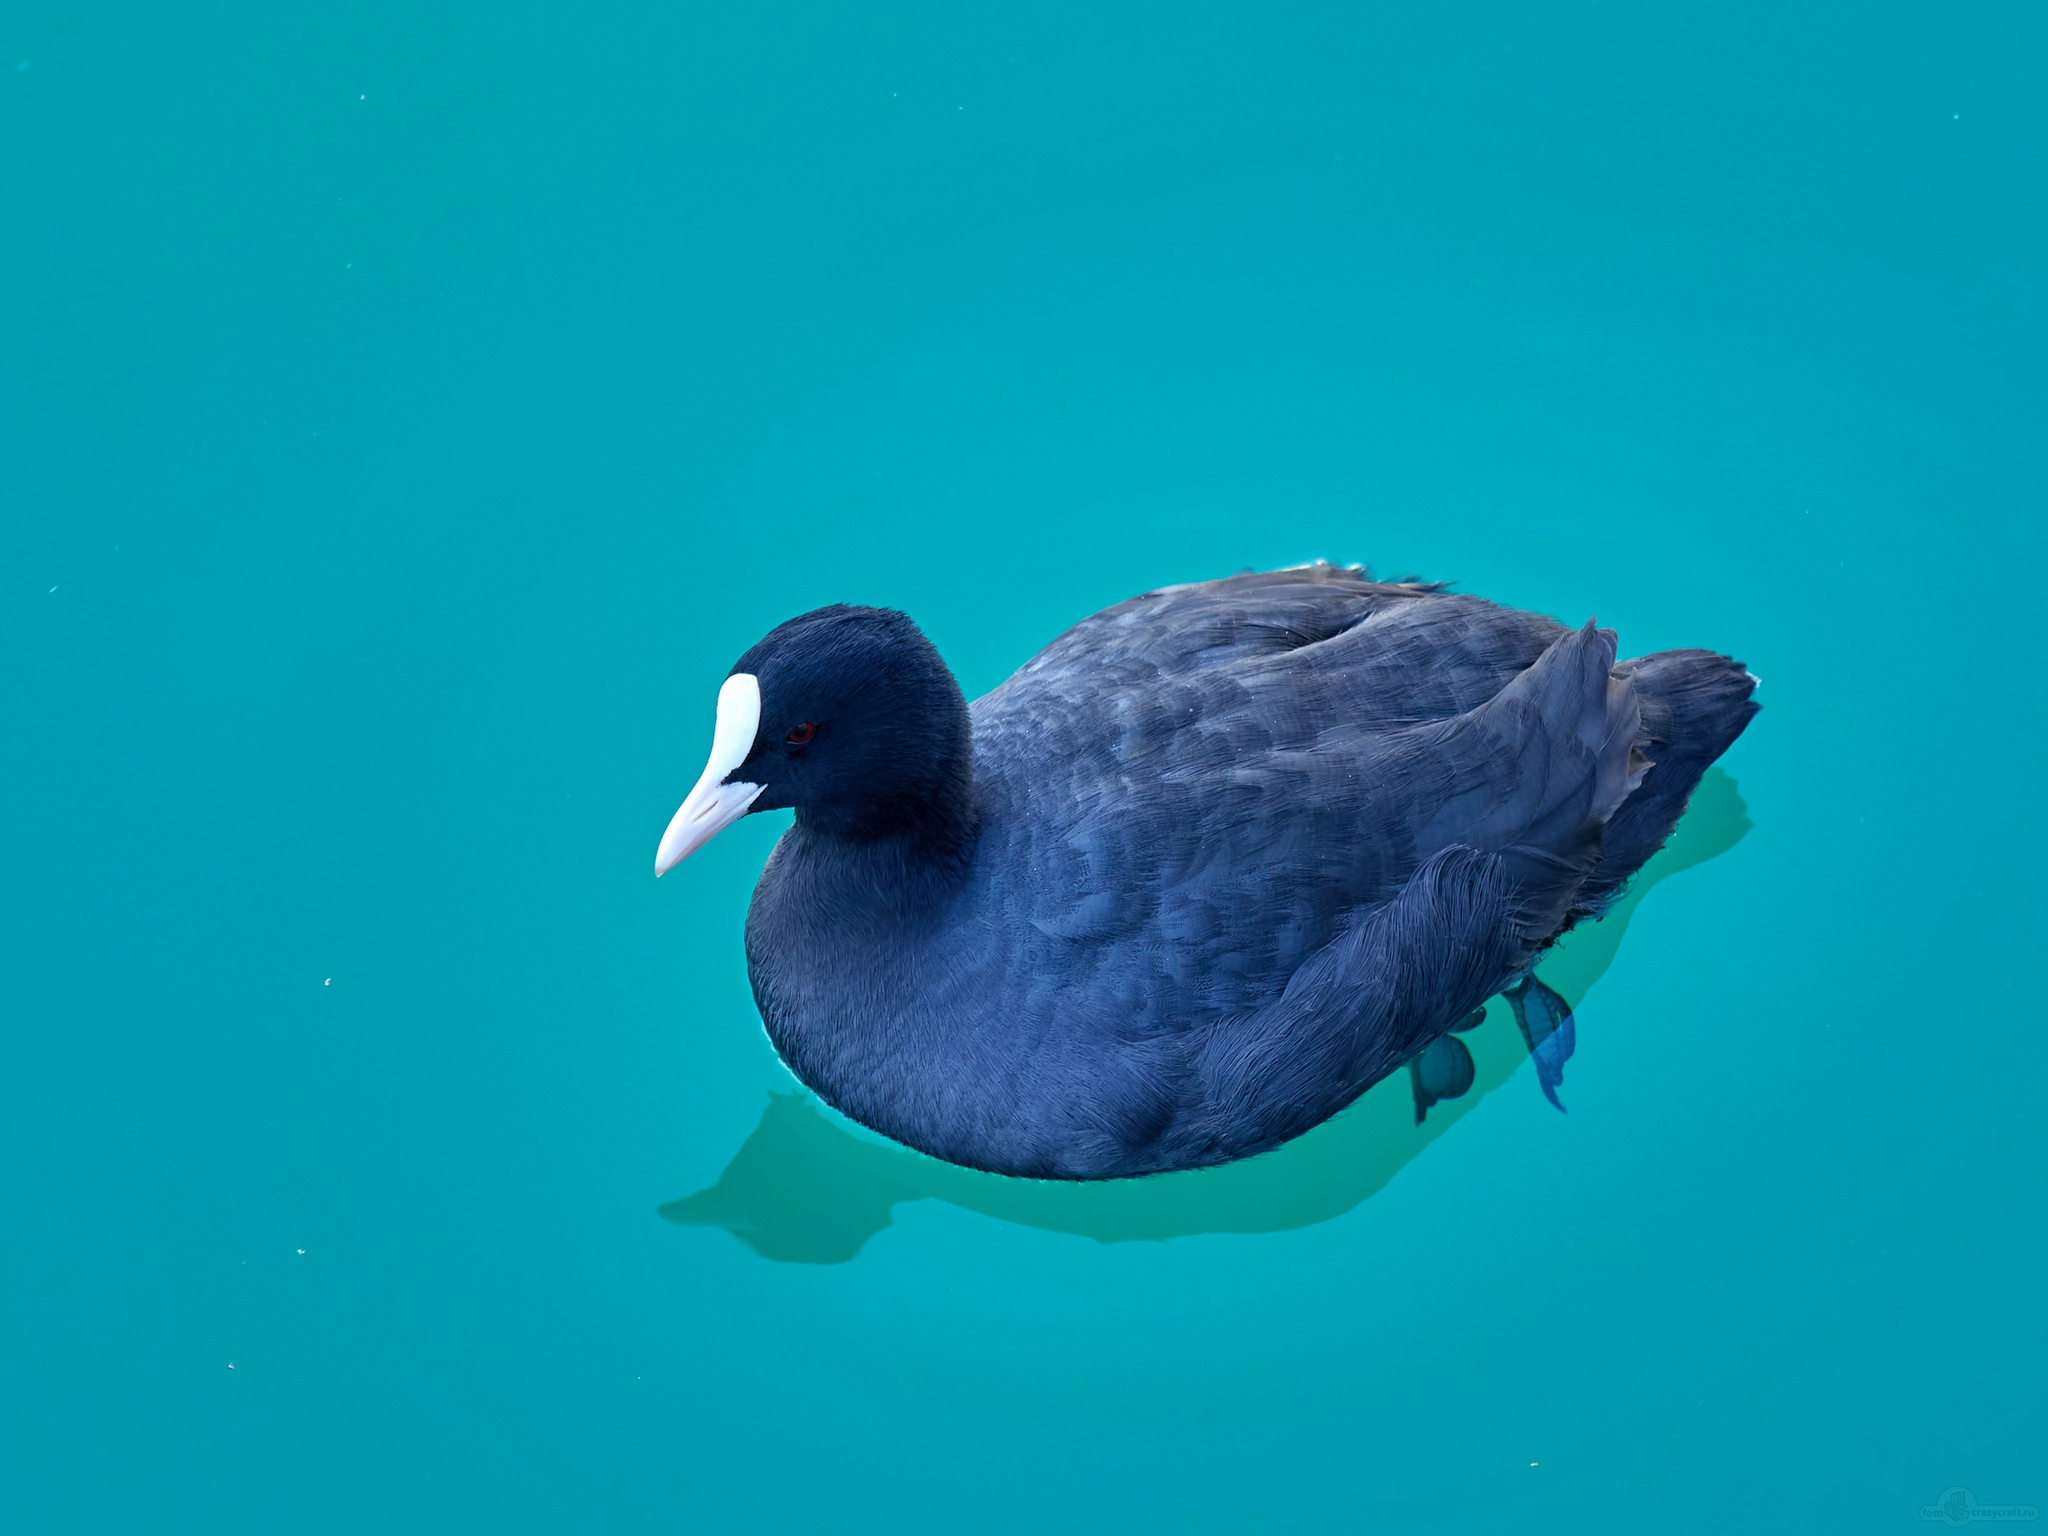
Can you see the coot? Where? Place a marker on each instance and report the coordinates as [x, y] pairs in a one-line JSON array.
[[1202, 871]]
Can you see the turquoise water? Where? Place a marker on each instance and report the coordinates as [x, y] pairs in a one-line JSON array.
[[410, 413]]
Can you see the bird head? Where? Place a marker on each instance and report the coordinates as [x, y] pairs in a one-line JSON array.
[[846, 714]]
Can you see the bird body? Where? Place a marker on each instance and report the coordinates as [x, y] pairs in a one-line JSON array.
[[1203, 870]]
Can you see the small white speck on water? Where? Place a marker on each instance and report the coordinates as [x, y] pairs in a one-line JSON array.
[[1532, 1463], [231, 1365], [53, 589], [302, 1250], [328, 982]]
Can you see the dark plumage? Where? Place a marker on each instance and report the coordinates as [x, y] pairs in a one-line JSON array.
[[1203, 870]]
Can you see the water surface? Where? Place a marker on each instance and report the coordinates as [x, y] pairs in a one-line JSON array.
[[411, 411]]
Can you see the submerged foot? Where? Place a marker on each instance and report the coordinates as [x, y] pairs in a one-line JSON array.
[[1545, 1020], [1440, 1070]]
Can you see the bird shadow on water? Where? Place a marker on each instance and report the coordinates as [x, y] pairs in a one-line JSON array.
[[803, 1189]]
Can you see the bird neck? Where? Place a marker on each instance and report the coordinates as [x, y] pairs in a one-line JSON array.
[[862, 890]]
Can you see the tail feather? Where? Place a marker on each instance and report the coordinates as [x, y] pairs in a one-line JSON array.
[[1694, 705], [1560, 747]]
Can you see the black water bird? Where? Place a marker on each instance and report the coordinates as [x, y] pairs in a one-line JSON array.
[[1203, 870]]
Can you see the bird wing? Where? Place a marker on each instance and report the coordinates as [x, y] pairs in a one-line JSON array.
[[1188, 795]]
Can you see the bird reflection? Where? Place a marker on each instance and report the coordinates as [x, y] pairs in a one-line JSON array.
[[804, 1188]]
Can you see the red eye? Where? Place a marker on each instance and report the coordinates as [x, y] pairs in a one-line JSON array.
[[801, 734]]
